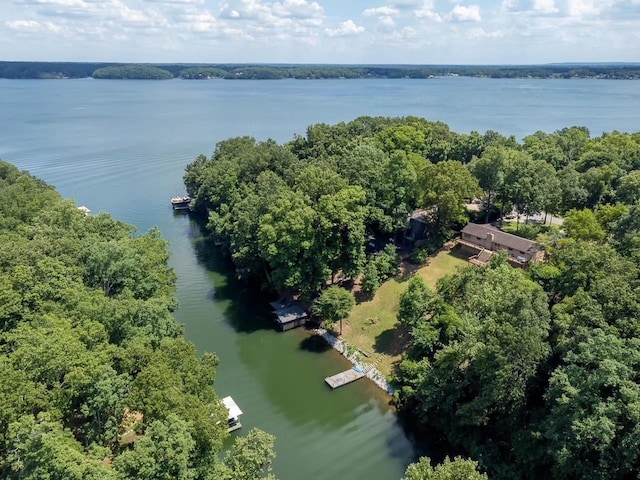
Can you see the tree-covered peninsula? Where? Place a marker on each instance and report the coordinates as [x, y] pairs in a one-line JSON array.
[[532, 373], [132, 72], [96, 378]]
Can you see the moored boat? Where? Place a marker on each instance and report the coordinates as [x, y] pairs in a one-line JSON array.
[[181, 203]]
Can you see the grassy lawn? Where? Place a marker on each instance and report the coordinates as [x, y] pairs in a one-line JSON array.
[[371, 327]]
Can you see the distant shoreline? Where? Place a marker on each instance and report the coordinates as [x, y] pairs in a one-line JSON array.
[[162, 71]]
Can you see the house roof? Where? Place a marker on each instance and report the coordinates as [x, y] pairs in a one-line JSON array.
[[501, 238], [421, 215], [291, 313], [282, 302]]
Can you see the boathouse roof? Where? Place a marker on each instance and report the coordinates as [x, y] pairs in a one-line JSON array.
[[234, 410], [291, 313]]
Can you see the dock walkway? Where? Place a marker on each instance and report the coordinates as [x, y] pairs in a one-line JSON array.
[[344, 378]]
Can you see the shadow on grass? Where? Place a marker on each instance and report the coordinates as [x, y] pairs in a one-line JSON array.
[[246, 307], [314, 344], [393, 341], [361, 296], [459, 252]]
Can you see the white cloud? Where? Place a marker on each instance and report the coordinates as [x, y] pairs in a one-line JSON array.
[[406, 9], [244, 9], [280, 18], [545, 6], [24, 25], [427, 12], [380, 11], [480, 33], [346, 29], [176, 2], [387, 22], [60, 3], [33, 26], [200, 22], [508, 5], [409, 4], [298, 9], [580, 8], [461, 13], [404, 31]]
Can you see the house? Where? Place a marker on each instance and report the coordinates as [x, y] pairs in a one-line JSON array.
[[484, 240]]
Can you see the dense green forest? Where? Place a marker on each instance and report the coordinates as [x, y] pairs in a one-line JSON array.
[[132, 72], [96, 378], [267, 72], [534, 373]]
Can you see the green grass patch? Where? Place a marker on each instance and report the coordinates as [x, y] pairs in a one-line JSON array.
[[444, 263], [372, 326]]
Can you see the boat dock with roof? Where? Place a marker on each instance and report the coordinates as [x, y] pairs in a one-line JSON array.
[[234, 414], [289, 313]]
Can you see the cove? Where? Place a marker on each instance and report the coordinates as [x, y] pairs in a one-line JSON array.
[[121, 147], [278, 380]]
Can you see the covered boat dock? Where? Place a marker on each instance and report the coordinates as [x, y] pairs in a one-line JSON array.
[[234, 414]]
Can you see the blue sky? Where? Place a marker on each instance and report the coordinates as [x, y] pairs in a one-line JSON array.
[[322, 31]]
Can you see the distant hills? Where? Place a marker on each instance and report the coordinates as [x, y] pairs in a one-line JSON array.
[[159, 71]]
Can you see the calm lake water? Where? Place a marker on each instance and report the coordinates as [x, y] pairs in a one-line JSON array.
[[121, 147]]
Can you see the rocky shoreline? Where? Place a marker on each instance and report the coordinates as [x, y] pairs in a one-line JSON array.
[[353, 355]]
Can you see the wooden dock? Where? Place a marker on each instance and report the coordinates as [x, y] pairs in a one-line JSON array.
[[344, 378]]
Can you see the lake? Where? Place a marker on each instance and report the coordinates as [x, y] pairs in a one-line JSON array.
[[121, 147]]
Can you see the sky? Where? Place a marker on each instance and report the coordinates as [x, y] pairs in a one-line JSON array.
[[321, 31]]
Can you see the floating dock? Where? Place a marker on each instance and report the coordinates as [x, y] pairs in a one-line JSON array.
[[344, 378]]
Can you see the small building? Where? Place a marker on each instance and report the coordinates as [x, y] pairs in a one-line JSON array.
[[418, 230], [291, 317], [485, 240], [234, 414]]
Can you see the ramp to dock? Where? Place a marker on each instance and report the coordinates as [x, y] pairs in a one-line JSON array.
[[344, 378]]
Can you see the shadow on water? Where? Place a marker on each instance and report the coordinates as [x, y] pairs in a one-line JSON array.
[[314, 344], [425, 442], [245, 307]]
